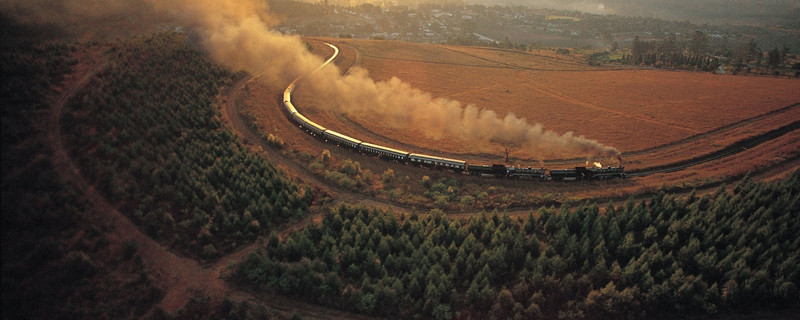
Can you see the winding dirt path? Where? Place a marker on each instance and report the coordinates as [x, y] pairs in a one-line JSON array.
[[307, 177], [229, 101], [182, 278], [179, 277]]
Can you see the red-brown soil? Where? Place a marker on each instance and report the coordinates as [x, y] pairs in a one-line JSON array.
[[612, 106], [654, 117], [628, 109], [183, 278]]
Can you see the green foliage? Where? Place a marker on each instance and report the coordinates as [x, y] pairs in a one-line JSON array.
[[350, 167], [202, 307], [325, 157], [426, 181], [56, 257], [668, 53], [209, 251], [443, 191], [388, 176], [274, 141], [723, 253], [342, 179], [147, 133]]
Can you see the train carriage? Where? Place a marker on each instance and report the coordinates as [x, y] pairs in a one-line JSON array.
[[287, 94], [437, 162], [479, 170], [340, 139], [290, 109], [422, 160], [383, 152], [495, 170], [309, 125], [287, 99], [454, 164]]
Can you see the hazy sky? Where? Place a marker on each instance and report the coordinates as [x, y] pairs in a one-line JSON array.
[[720, 11]]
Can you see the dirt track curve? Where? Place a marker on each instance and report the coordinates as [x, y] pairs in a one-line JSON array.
[[299, 172], [180, 277], [726, 151]]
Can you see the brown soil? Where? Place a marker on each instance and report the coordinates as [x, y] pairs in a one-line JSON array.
[[628, 109], [655, 117], [678, 116]]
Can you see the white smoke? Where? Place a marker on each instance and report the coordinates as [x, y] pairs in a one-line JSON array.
[[237, 33]]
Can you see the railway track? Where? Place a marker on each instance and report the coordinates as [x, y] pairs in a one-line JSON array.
[[719, 130], [732, 149]]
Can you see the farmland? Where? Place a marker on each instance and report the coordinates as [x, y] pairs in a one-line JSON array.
[[653, 117], [144, 180], [628, 109]]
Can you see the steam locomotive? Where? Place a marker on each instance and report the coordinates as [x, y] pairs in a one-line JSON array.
[[455, 165]]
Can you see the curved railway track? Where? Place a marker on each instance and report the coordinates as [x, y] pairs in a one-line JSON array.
[[378, 150], [732, 149]]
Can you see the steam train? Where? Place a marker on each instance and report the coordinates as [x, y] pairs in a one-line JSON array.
[[455, 165], [424, 160]]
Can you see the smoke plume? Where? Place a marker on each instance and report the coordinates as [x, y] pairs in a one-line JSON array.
[[395, 103], [237, 34]]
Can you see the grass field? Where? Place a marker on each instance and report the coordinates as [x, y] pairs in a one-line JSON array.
[[654, 117], [628, 109]]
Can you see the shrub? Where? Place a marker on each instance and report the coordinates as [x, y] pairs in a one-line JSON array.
[[316, 167], [351, 168], [274, 141], [325, 157], [388, 176], [209, 251], [426, 182]]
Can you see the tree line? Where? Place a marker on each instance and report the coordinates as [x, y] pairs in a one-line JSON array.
[[730, 252], [696, 53]]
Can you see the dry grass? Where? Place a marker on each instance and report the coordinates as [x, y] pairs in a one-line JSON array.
[[771, 153], [629, 109]]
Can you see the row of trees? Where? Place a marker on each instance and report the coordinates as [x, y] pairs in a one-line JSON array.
[[673, 54], [695, 53], [147, 133], [661, 258]]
